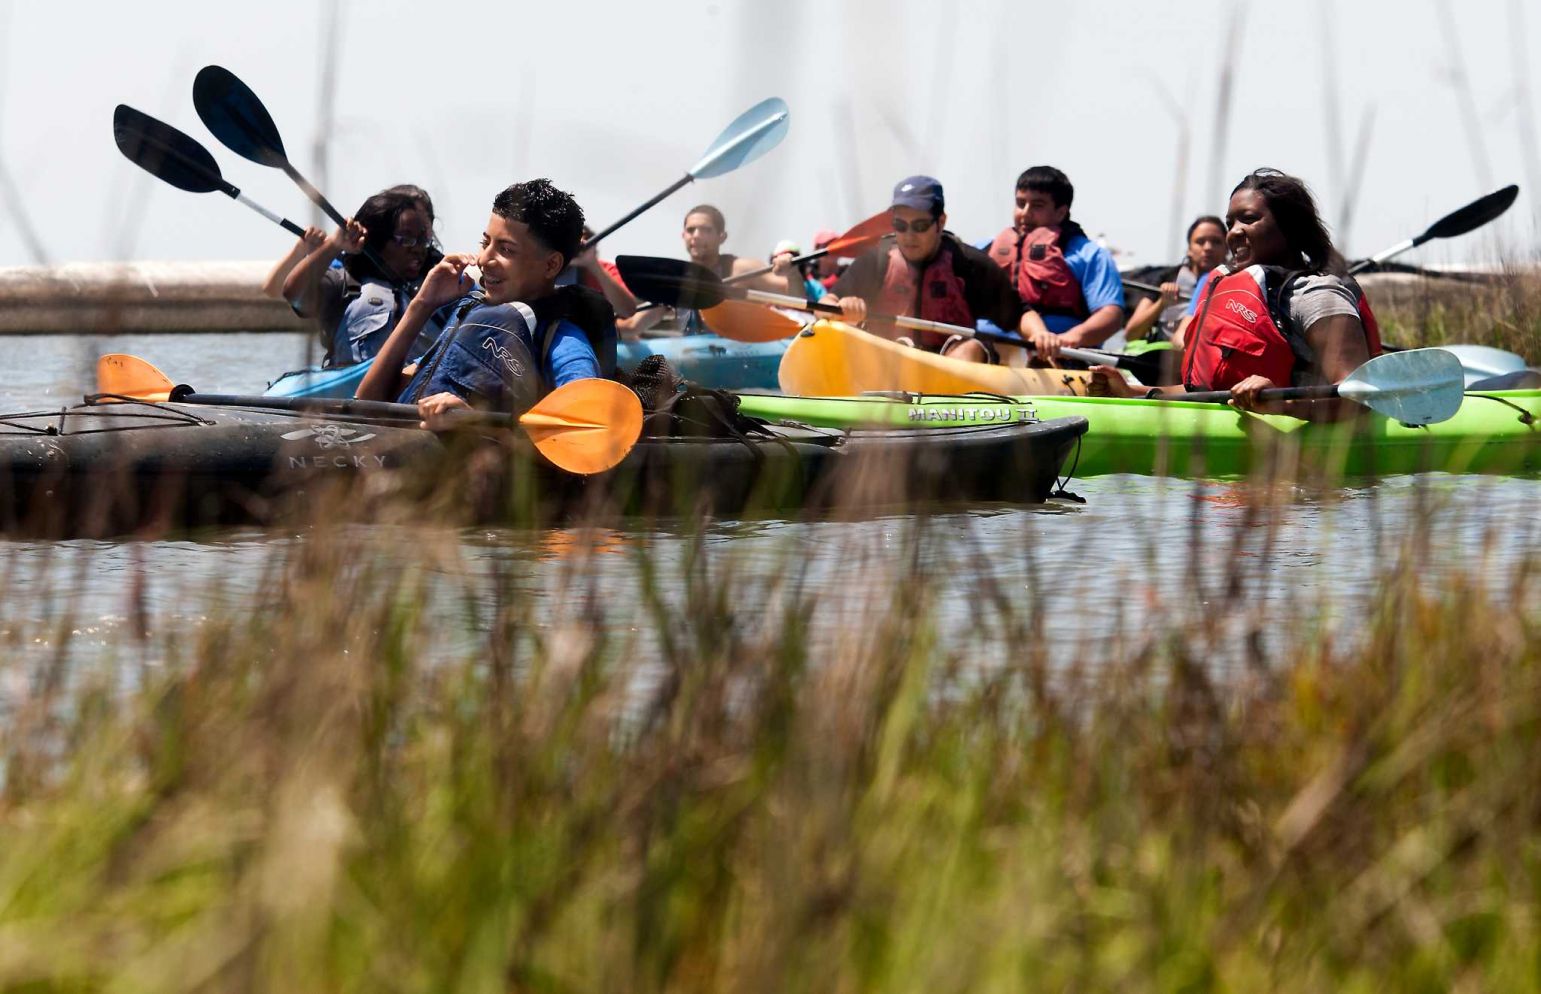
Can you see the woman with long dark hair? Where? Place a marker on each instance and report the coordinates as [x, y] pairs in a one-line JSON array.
[[388, 247], [1156, 318], [1282, 313]]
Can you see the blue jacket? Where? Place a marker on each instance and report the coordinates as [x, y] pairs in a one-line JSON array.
[[506, 357]]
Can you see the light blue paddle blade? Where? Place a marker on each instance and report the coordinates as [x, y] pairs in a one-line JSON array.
[[1415, 387], [753, 133]]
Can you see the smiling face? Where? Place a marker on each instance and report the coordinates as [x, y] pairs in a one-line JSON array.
[[1206, 247], [414, 227], [1253, 235], [915, 245], [514, 263], [703, 241], [1036, 209]]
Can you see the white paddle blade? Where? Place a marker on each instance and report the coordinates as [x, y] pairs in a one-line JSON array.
[[1415, 387], [753, 133]]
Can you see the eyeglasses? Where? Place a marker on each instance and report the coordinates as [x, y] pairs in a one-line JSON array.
[[413, 241], [919, 227]]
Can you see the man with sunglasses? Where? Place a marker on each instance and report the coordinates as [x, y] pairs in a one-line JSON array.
[[924, 271]]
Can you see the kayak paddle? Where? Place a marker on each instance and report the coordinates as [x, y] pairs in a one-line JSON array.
[[1414, 387], [686, 284], [753, 133], [232, 112], [1458, 222], [853, 243], [583, 427], [179, 159]]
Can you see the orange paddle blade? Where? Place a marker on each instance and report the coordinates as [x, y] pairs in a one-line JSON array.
[[585, 427], [746, 322], [131, 376], [863, 236]]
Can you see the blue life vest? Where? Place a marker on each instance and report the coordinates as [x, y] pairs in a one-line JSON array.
[[368, 319], [495, 355]]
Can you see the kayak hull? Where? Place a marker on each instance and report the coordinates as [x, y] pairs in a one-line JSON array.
[[111, 469], [832, 359], [704, 359], [1495, 432]]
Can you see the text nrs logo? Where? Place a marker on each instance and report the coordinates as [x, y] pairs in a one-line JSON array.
[[1246, 312]]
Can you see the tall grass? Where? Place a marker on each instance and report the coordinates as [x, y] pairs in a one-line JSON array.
[[304, 797], [1505, 314]]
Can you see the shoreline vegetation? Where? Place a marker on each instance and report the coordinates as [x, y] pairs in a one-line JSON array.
[[1505, 314], [290, 797]]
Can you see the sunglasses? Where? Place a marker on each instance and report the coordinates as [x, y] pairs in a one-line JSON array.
[[919, 227], [413, 241]]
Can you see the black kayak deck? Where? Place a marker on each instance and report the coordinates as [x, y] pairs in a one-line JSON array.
[[115, 468]]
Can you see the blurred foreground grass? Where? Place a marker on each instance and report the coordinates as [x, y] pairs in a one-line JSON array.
[[295, 801]]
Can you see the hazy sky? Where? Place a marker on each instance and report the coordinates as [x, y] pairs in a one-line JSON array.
[[614, 99]]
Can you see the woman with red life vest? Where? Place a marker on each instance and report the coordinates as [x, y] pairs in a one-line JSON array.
[[1281, 314], [923, 271], [1157, 317]]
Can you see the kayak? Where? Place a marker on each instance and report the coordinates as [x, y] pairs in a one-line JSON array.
[[111, 468], [1493, 432], [832, 359], [704, 359]]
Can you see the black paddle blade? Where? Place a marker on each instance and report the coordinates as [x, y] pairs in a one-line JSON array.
[[165, 152], [1474, 215], [671, 281], [232, 112]]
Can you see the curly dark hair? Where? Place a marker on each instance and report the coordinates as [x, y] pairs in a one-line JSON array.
[[552, 215], [379, 215], [1294, 211]]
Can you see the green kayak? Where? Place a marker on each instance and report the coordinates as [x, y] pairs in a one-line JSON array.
[[1494, 432]]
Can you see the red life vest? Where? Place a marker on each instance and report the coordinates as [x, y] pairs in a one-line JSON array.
[[936, 296], [1244, 329], [1037, 266]]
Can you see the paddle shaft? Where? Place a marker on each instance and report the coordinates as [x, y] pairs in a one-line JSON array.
[[282, 222], [325, 405], [678, 184], [797, 261], [1150, 288], [920, 324], [1277, 393]]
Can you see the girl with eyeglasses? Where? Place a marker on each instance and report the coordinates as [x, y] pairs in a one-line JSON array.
[[386, 249]]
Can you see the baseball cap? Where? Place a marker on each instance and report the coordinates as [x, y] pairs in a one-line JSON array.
[[823, 237], [923, 193]]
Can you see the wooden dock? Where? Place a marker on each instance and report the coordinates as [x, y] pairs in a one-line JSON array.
[[96, 298]]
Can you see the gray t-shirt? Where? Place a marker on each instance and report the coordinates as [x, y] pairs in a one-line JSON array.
[[1318, 297]]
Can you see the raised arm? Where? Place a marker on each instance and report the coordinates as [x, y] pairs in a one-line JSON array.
[[307, 243], [302, 288]]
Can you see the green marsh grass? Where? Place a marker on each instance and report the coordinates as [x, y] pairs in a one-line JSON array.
[[314, 794], [1505, 314]]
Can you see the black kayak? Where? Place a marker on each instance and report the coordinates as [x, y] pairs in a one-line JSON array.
[[101, 469]]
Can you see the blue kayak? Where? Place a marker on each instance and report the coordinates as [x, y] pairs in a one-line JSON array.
[[704, 359]]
